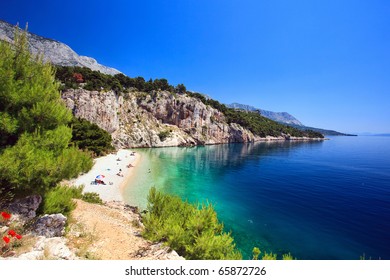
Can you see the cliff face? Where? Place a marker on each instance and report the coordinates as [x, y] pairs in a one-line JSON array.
[[56, 52], [160, 119]]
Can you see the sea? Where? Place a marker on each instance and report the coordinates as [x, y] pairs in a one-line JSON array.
[[319, 200]]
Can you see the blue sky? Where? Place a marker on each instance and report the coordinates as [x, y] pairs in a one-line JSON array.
[[325, 62]]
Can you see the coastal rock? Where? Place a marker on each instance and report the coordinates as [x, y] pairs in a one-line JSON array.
[[100, 108], [50, 226], [160, 119], [25, 207]]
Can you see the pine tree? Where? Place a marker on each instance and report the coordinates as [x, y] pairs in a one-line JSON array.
[[34, 132], [29, 94]]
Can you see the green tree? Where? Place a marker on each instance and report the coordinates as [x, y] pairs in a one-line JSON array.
[[30, 99], [89, 136], [180, 88], [34, 142]]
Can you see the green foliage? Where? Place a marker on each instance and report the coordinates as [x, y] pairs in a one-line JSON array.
[[89, 136], [39, 161], [180, 88], [269, 256], [164, 135], [256, 252], [34, 141], [60, 200], [194, 232], [30, 100], [287, 257], [92, 197], [95, 80]]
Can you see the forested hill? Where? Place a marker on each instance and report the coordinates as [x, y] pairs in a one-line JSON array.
[[287, 119], [148, 113]]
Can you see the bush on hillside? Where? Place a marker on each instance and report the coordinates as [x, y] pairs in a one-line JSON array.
[[60, 200], [194, 232], [92, 197], [89, 136]]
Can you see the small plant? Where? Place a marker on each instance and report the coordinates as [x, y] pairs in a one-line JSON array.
[[256, 252], [269, 256], [10, 239], [287, 257], [164, 135]]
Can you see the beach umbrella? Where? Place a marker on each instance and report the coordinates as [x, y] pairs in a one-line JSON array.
[[100, 176]]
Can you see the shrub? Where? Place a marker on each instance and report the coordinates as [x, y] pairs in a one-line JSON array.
[[287, 257], [269, 256], [89, 136], [92, 197], [256, 252], [194, 232], [60, 200], [164, 135]]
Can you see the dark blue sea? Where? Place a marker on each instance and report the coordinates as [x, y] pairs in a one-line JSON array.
[[317, 200]]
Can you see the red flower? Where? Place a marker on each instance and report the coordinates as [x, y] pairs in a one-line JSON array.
[[18, 236], [12, 233], [6, 239], [6, 215]]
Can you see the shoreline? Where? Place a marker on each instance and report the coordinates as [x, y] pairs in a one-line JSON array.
[[115, 185], [109, 167]]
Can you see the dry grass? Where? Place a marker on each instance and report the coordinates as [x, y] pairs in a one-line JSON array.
[[80, 240]]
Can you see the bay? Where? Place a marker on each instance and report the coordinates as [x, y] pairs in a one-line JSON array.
[[317, 200]]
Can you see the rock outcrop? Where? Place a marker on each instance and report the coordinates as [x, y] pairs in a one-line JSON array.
[[56, 52], [50, 226], [136, 119], [101, 108], [26, 207], [54, 248]]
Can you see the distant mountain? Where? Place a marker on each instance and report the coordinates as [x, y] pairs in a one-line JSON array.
[[286, 118], [323, 131], [56, 52], [282, 117]]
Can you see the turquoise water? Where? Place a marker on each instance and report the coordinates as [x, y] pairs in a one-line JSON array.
[[317, 200]]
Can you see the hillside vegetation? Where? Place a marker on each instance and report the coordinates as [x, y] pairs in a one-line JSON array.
[[193, 232]]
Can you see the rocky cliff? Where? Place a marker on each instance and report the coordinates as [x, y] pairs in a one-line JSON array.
[[56, 52], [136, 119]]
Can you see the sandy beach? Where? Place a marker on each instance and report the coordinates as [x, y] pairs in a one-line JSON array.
[[115, 171]]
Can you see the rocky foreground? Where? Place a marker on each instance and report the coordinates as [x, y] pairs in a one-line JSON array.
[[109, 232]]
